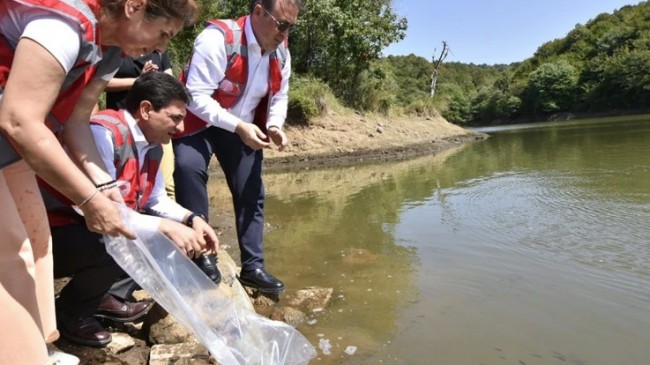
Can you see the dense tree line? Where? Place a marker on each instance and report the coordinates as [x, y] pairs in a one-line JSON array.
[[336, 49], [602, 66]]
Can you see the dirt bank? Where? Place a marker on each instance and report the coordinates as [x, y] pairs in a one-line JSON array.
[[353, 138]]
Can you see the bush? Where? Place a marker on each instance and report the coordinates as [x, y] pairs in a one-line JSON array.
[[422, 107], [375, 90], [309, 98]]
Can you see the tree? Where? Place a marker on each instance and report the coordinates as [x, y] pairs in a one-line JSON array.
[[553, 87], [436, 66], [180, 48], [336, 40], [458, 104], [411, 74], [624, 82]]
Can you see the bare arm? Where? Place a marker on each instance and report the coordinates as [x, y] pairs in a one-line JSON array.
[[126, 83], [78, 138], [31, 90], [33, 86], [120, 84]]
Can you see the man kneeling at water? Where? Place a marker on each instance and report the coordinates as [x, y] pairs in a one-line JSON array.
[[129, 142]]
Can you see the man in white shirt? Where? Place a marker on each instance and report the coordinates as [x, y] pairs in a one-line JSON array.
[[239, 79], [129, 142]]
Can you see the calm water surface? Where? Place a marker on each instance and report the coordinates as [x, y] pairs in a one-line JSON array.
[[531, 247]]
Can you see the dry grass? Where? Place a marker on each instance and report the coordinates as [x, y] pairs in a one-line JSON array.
[[334, 134]]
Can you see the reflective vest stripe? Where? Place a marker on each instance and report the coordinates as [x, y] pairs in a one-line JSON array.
[[233, 86], [135, 184], [83, 14]]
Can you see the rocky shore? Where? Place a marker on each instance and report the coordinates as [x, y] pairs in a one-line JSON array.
[[330, 140]]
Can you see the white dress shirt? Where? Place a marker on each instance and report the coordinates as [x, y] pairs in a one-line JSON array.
[[159, 203], [207, 70]]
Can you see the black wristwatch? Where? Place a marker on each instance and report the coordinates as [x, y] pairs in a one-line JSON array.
[[190, 219]]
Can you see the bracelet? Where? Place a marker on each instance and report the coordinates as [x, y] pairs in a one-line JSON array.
[[112, 182], [88, 199], [107, 186]]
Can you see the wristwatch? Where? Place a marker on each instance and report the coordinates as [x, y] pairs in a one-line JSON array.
[[190, 219]]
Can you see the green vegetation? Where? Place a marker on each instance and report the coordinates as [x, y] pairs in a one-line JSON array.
[[309, 98], [601, 66], [332, 50]]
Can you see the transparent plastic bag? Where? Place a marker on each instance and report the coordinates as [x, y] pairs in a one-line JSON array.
[[234, 334]]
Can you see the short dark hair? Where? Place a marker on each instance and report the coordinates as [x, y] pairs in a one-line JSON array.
[[159, 88]]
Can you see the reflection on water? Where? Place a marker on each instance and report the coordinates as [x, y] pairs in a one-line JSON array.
[[528, 248]]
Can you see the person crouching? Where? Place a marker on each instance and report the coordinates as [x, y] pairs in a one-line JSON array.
[[130, 144]]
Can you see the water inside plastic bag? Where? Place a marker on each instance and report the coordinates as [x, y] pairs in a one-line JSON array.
[[232, 333]]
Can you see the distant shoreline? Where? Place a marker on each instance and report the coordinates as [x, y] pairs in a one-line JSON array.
[[555, 117]]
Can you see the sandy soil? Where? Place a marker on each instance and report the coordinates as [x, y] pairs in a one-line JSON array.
[[346, 139], [327, 141]]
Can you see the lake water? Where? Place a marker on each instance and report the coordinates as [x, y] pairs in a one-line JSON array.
[[531, 247]]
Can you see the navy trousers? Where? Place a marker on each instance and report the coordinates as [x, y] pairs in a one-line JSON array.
[[82, 255], [242, 167]]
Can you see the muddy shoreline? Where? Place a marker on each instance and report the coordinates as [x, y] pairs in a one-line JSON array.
[[367, 155]]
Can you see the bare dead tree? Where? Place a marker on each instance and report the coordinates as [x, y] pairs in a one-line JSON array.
[[436, 65]]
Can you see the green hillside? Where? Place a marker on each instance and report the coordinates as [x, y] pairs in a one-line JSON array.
[[601, 66]]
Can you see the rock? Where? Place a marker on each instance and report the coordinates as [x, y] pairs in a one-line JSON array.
[[229, 272], [121, 342], [358, 256], [260, 299], [312, 297], [289, 315], [183, 353], [139, 295], [164, 329]]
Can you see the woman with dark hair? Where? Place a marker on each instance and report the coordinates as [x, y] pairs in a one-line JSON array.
[[56, 57]]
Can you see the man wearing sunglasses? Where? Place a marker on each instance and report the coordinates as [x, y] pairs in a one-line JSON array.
[[238, 78]]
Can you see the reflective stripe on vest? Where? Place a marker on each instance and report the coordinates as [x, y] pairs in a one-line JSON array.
[[135, 184], [83, 13], [233, 86]]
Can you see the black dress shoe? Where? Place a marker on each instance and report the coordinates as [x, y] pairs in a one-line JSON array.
[[261, 280], [208, 264], [83, 330], [122, 311]]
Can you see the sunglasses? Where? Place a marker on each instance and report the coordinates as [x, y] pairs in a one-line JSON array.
[[282, 26]]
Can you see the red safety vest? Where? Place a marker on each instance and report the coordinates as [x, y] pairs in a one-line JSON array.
[[135, 184], [233, 86], [84, 14]]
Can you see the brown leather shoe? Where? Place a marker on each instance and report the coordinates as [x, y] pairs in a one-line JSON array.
[[122, 311], [83, 330]]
